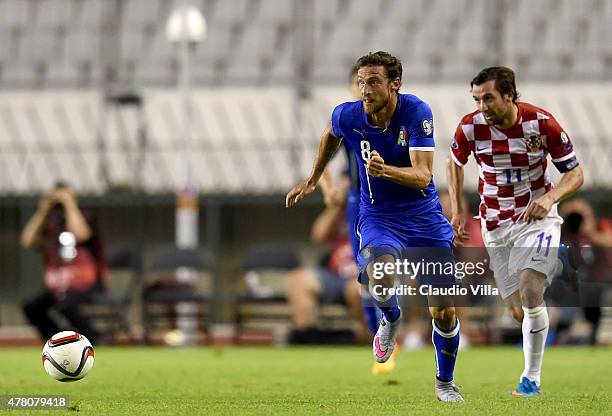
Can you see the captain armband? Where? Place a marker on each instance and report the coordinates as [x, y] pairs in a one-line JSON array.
[[567, 164]]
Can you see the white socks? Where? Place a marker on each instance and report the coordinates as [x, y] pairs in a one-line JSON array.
[[535, 331]]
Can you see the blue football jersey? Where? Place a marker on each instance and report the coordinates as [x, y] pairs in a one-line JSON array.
[[411, 127]]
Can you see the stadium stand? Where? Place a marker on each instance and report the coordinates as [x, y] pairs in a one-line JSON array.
[[46, 136], [56, 57], [57, 43]]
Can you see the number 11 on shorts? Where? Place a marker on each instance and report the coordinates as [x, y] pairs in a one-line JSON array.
[[541, 237]]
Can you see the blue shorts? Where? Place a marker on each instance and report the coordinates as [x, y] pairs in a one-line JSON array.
[[425, 239]]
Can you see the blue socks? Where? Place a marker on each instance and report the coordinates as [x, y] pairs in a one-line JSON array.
[[372, 316], [392, 313], [446, 345]]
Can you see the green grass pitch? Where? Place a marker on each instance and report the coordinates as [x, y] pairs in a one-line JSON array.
[[317, 380]]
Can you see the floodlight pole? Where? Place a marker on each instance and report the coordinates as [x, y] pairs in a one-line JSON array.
[[186, 27], [186, 220]]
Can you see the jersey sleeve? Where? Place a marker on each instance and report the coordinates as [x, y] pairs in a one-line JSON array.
[[336, 121], [560, 147], [460, 147], [421, 129]]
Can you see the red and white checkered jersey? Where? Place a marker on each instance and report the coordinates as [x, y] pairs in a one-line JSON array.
[[512, 162]]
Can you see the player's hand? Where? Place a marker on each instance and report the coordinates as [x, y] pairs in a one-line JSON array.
[[375, 165], [299, 192], [458, 224], [539, 208]]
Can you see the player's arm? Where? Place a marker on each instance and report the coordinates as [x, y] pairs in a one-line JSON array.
[[454, 178], [564, 158], [421, 144], [570, 182], [458, 156], [327, 148], [417, 176]]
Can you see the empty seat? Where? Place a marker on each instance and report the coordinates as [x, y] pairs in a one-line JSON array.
[[139, 13], [83, 46], [110, 309], [90, 14], [275, 11], [262, 294], [54, 14], [178, 276], [15, 13], [228, 12]]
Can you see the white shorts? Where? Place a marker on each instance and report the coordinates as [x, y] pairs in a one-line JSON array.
[[514, 247]]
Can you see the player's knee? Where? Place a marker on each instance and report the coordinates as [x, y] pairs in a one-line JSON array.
[[443, 316], [532, 295], [381, 277], [382, 268]]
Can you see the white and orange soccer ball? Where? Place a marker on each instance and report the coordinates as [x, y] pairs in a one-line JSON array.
[[68, 356]]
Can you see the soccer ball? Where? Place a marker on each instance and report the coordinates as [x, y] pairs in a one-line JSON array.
[[68, 356]]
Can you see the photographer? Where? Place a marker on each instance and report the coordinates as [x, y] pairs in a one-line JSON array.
[[73, 261], [592, 239]]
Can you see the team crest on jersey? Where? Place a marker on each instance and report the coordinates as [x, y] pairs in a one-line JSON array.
[[534, 142], [402, 137], [366, 252], [427, 126]]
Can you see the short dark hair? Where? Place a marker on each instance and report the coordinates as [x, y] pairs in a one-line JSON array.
[[504, 80], [392, 65]]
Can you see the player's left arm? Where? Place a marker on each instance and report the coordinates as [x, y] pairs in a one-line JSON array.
[[419, 127], [570, 182], [564, 158], [417, 176]]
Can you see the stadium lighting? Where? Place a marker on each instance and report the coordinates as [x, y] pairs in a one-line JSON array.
[[186, 27], [186, 23]]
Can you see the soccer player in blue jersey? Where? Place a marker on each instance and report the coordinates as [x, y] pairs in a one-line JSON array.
[[399, 213], [331, 192]]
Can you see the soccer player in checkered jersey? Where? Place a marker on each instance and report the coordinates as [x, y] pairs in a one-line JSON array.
[[510, 141]]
